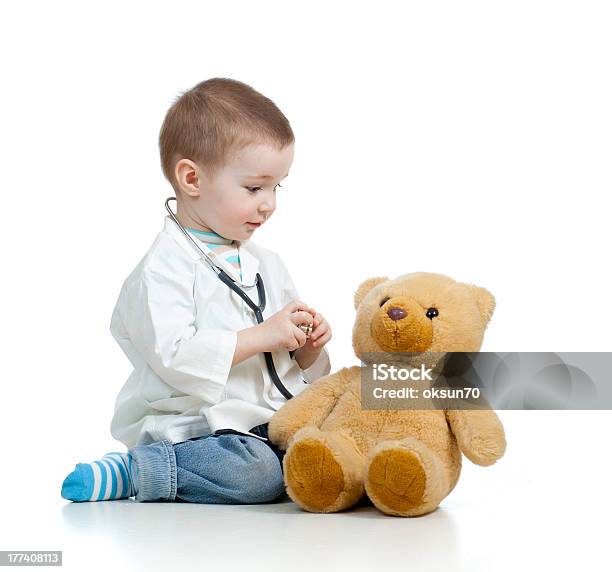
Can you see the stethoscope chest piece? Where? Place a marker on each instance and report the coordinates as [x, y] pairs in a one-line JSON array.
[[307, 329]]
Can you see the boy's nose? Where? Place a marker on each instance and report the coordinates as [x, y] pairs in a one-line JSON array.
[[267, 206]]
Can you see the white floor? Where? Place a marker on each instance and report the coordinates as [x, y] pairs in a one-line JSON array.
[[546, 505]]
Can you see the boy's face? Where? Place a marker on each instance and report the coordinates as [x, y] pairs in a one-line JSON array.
[[235, 201]]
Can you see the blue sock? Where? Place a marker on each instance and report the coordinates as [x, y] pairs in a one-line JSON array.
[[115, 476]]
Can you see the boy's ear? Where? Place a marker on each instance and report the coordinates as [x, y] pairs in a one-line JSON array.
[[188, 177], [365, 287]]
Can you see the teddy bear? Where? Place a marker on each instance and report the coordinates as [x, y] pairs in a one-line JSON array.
[[405, 461]]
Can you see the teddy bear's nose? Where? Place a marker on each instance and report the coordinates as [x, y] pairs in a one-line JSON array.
[[396, 313]]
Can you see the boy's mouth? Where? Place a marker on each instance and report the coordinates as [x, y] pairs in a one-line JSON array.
[[254, 224]]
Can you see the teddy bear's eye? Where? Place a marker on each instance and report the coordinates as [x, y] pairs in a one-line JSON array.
[[384, 301], [431, 313]]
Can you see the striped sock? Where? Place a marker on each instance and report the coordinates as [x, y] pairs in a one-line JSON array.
[[115, 476]]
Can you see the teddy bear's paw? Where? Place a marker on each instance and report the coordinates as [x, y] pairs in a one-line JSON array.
[[404, 480], [314, 478], [323, 472], [485, 450]]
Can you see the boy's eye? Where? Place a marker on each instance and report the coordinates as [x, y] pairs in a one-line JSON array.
[[255, 189]]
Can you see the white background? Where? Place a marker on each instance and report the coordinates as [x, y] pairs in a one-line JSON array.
[[467, 138]]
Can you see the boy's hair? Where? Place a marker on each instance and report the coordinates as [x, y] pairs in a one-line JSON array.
[[215, 117]]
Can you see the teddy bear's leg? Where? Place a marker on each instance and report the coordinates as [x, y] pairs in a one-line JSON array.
[[323, 470], [405, 478]]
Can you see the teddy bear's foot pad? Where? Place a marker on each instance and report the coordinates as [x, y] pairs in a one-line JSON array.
[[314, 477], [396, 481]]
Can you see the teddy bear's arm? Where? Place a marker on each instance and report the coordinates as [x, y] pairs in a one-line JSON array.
[[311, 407], [480, 434]]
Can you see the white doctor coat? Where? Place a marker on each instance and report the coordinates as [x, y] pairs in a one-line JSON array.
[[177, 323]]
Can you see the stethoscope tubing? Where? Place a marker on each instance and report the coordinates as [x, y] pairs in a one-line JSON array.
[[233, 285]]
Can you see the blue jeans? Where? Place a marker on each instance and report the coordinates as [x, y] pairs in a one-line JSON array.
[[222, 468]]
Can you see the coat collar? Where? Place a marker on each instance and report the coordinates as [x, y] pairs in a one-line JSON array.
[[249, 264]]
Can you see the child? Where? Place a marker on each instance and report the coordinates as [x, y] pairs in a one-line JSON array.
[[194, 411]]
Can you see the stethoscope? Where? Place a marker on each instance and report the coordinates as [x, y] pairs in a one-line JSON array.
[[235, 286]]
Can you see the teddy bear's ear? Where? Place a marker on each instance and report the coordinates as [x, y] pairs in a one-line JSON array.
[[365, 287], [484, 300]]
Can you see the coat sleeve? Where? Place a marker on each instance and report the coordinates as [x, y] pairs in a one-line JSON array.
[[322, 366], [159, 317]]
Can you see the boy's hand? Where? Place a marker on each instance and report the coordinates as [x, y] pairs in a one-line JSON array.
[[281, 330], [321, 331], [307, 354]]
